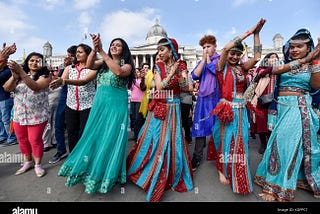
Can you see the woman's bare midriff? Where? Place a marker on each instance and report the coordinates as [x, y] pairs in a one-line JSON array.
[[290, 93]]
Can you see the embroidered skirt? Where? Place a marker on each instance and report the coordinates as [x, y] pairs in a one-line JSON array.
[[160, 159], [292, 155]]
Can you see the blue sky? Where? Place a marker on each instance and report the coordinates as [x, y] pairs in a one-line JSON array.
[[30, 23]]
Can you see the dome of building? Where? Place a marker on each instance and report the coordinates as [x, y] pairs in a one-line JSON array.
[[47, 49], [47, 44], [277, 41], [155, 33], [277, 36]]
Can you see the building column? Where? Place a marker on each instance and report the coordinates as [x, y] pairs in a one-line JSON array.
[[144, 58], [151, 62], [137, 61]]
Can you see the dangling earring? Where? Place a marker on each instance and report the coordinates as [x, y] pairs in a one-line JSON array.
[[170, 54]]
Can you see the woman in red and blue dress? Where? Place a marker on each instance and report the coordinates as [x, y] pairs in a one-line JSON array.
[[232, 126], [160, 159]]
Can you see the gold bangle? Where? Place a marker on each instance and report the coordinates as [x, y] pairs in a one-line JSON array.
[[63, 82]]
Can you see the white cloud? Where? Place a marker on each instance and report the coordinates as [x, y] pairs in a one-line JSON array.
[[28, 44], [85, 4], [84, 19], [131, 26], [210, 32], [19, 1], [14, 22], [237, 3], [52, 4], [17, 28], [33, 44], [231, 33]]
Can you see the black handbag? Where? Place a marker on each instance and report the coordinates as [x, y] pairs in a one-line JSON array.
[[265, 99]]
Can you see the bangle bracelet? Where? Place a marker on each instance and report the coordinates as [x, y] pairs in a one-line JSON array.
[[248, 33], [294, 67], [1, 60], [315, 68], [257, 49], [315, 62], [164, 83], [63, 82]]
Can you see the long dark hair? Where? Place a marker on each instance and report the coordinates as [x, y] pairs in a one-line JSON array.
[[73, 51], [87, 49], [44, 71], [126, 58]]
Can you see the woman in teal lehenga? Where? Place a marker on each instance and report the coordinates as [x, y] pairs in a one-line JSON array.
[[292, 156], [99, 159]]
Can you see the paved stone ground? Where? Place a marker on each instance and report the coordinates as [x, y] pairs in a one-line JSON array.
[[20, 190]]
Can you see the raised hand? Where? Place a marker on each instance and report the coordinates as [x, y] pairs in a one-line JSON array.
[[316, 51], [97, 44], [257, 28], [14, 67], [174, 68], [12, 48], [7, 51], [205, 56], [314, 55]]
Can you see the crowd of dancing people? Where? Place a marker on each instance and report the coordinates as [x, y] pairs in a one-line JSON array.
[[275, 97]]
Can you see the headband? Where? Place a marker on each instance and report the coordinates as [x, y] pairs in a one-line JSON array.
[[236, 49], [172, 46], [299, 41]]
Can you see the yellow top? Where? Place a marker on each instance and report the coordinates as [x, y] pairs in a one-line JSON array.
[[145, 99]]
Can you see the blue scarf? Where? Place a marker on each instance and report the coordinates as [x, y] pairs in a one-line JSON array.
[[286, 47]]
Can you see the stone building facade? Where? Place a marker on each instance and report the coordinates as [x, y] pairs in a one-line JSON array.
[[146, 52]]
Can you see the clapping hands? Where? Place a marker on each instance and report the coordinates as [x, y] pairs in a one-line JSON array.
[[15, 69], [97, 44], [174, 68], [257, 28], [6, 51]]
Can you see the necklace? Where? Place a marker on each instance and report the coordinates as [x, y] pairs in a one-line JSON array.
[[168, 68], [238, 73]]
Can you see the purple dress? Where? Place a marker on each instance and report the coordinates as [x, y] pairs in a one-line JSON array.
[[208, 97]]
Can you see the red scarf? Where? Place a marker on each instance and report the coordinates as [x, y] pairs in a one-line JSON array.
[[226, 84]]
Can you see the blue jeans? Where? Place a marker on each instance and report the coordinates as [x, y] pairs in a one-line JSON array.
[[60, 123], [5, 115]]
